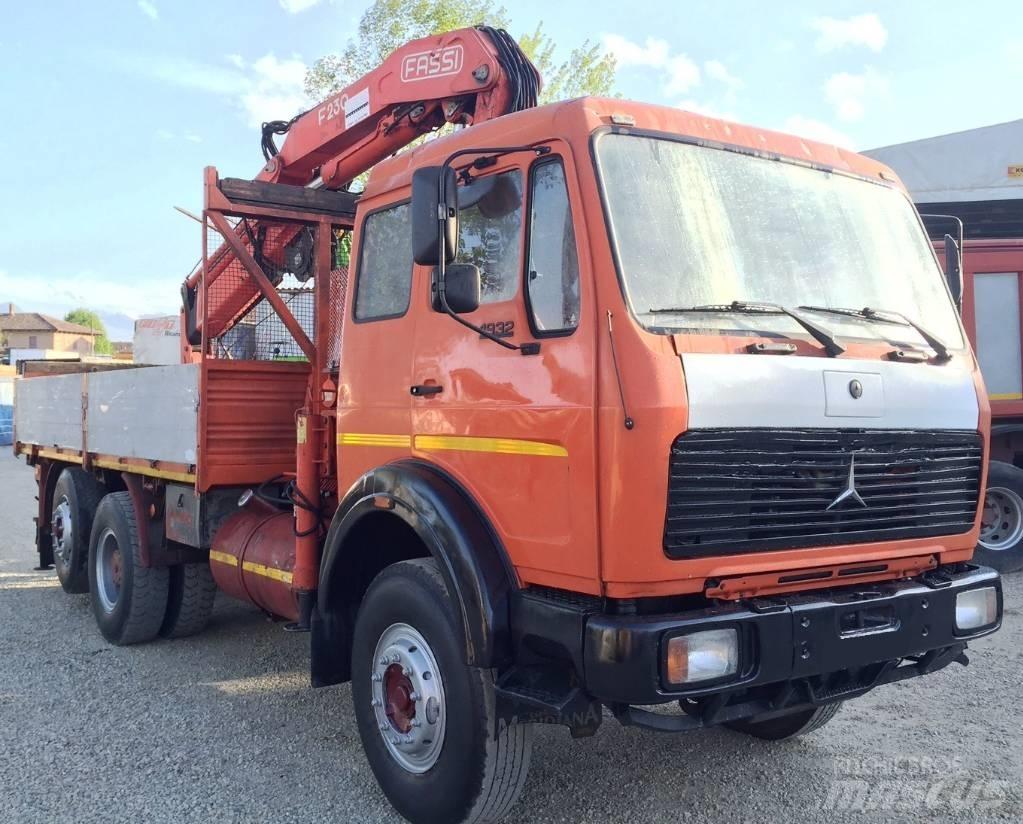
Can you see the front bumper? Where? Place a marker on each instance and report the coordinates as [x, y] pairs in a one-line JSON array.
[[802, 649]]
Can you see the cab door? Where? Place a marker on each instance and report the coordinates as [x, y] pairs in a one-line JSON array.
[[376, 344], [517, 430]]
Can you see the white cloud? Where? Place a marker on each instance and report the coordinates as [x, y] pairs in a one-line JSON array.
[[149, 9], [277, 89], [296, 6], [863, 30], [166, 134], [816, 130], [146, 296], [653, 53], [679, 73], [269, 88], [1013, 53], [683, 74], [704, 108], [716, 70], [849, 93]]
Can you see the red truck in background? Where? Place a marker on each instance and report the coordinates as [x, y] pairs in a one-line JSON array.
[[992, 310], [969, 184]]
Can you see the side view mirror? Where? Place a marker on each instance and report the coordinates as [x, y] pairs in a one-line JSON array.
[[432, 218], [461, 287], [954, 269]]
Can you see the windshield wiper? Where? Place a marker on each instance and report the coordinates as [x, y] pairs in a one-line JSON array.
[[818, 333], [889, 316]]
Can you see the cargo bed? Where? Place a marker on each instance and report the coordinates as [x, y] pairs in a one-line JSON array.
[[215, 423]]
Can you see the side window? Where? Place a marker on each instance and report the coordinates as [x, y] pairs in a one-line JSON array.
[[385, 265], [553, 274], [490, 233]]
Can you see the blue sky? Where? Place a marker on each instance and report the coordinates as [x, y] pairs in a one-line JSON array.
[[115, 106]]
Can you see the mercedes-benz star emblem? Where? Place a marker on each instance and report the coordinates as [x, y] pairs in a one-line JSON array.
[[849, 493], [855, 388]]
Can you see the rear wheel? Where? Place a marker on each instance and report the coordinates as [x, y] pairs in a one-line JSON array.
[[790, 725], [75, 499], [1001, 527], [129, 600], [427, 720], [191, 592]]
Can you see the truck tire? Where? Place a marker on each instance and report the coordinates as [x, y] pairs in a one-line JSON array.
[[191, 591], [787, 726], [1001, 525], [427, 721], [129, 600], [75, 499]]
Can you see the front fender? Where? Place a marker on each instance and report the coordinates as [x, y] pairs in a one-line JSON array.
[[455, 532]]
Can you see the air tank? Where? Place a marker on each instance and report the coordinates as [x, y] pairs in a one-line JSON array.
[[253, 555]]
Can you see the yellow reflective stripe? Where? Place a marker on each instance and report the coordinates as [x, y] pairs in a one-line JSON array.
[[223, 557], [53, 454], [148, 471], [462, 443], [368, 439], [501, 446], [267, 572], [1007, 396]]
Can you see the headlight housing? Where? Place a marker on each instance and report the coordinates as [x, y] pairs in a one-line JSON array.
[[976, 608], [702, 656]]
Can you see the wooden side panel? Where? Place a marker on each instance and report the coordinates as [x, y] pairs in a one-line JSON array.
[[247, 420]]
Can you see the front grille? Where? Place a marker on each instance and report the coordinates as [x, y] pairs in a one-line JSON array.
[[747, 490]]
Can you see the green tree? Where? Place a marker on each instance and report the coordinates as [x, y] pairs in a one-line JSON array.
[[90, 319], [387, 24]]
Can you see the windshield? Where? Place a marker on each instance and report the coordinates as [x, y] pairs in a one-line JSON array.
[[697, 225]]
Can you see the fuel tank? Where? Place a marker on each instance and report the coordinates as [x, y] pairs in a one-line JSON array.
[[253, 556]]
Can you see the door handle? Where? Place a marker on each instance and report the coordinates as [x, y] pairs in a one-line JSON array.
[[425, 389]]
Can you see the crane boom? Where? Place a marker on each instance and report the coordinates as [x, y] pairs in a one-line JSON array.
[[462, 77], [465, 76]]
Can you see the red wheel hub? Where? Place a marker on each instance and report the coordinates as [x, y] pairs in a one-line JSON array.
[[115, 567], [400, 707]]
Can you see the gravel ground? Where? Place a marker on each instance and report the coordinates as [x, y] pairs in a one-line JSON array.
[[224, 727]]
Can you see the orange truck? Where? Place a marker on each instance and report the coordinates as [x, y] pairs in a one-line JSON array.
[[578, 409]]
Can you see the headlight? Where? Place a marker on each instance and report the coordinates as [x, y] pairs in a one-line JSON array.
[[976, 608], [703, 656]]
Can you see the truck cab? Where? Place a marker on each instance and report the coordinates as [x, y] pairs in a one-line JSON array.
[[705, 419]]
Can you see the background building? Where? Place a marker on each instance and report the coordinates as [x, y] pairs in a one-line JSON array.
[[35, 331], [975, 175]]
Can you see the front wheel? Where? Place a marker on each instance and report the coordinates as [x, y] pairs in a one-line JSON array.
[[427, 720], [1001, 525], [786, 726]]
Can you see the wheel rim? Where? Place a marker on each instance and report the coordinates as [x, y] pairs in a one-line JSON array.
[[1001, 525], [109, 570], [62, 531], [408, 698]]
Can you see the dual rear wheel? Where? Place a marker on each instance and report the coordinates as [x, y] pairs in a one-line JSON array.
[[96, 549]]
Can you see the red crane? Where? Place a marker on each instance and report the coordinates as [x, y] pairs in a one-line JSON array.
[[461, 77]]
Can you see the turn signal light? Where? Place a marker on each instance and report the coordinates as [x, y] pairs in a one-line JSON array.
[[703, 656]]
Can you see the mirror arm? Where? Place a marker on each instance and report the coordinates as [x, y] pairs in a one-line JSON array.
[[443, 214]]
